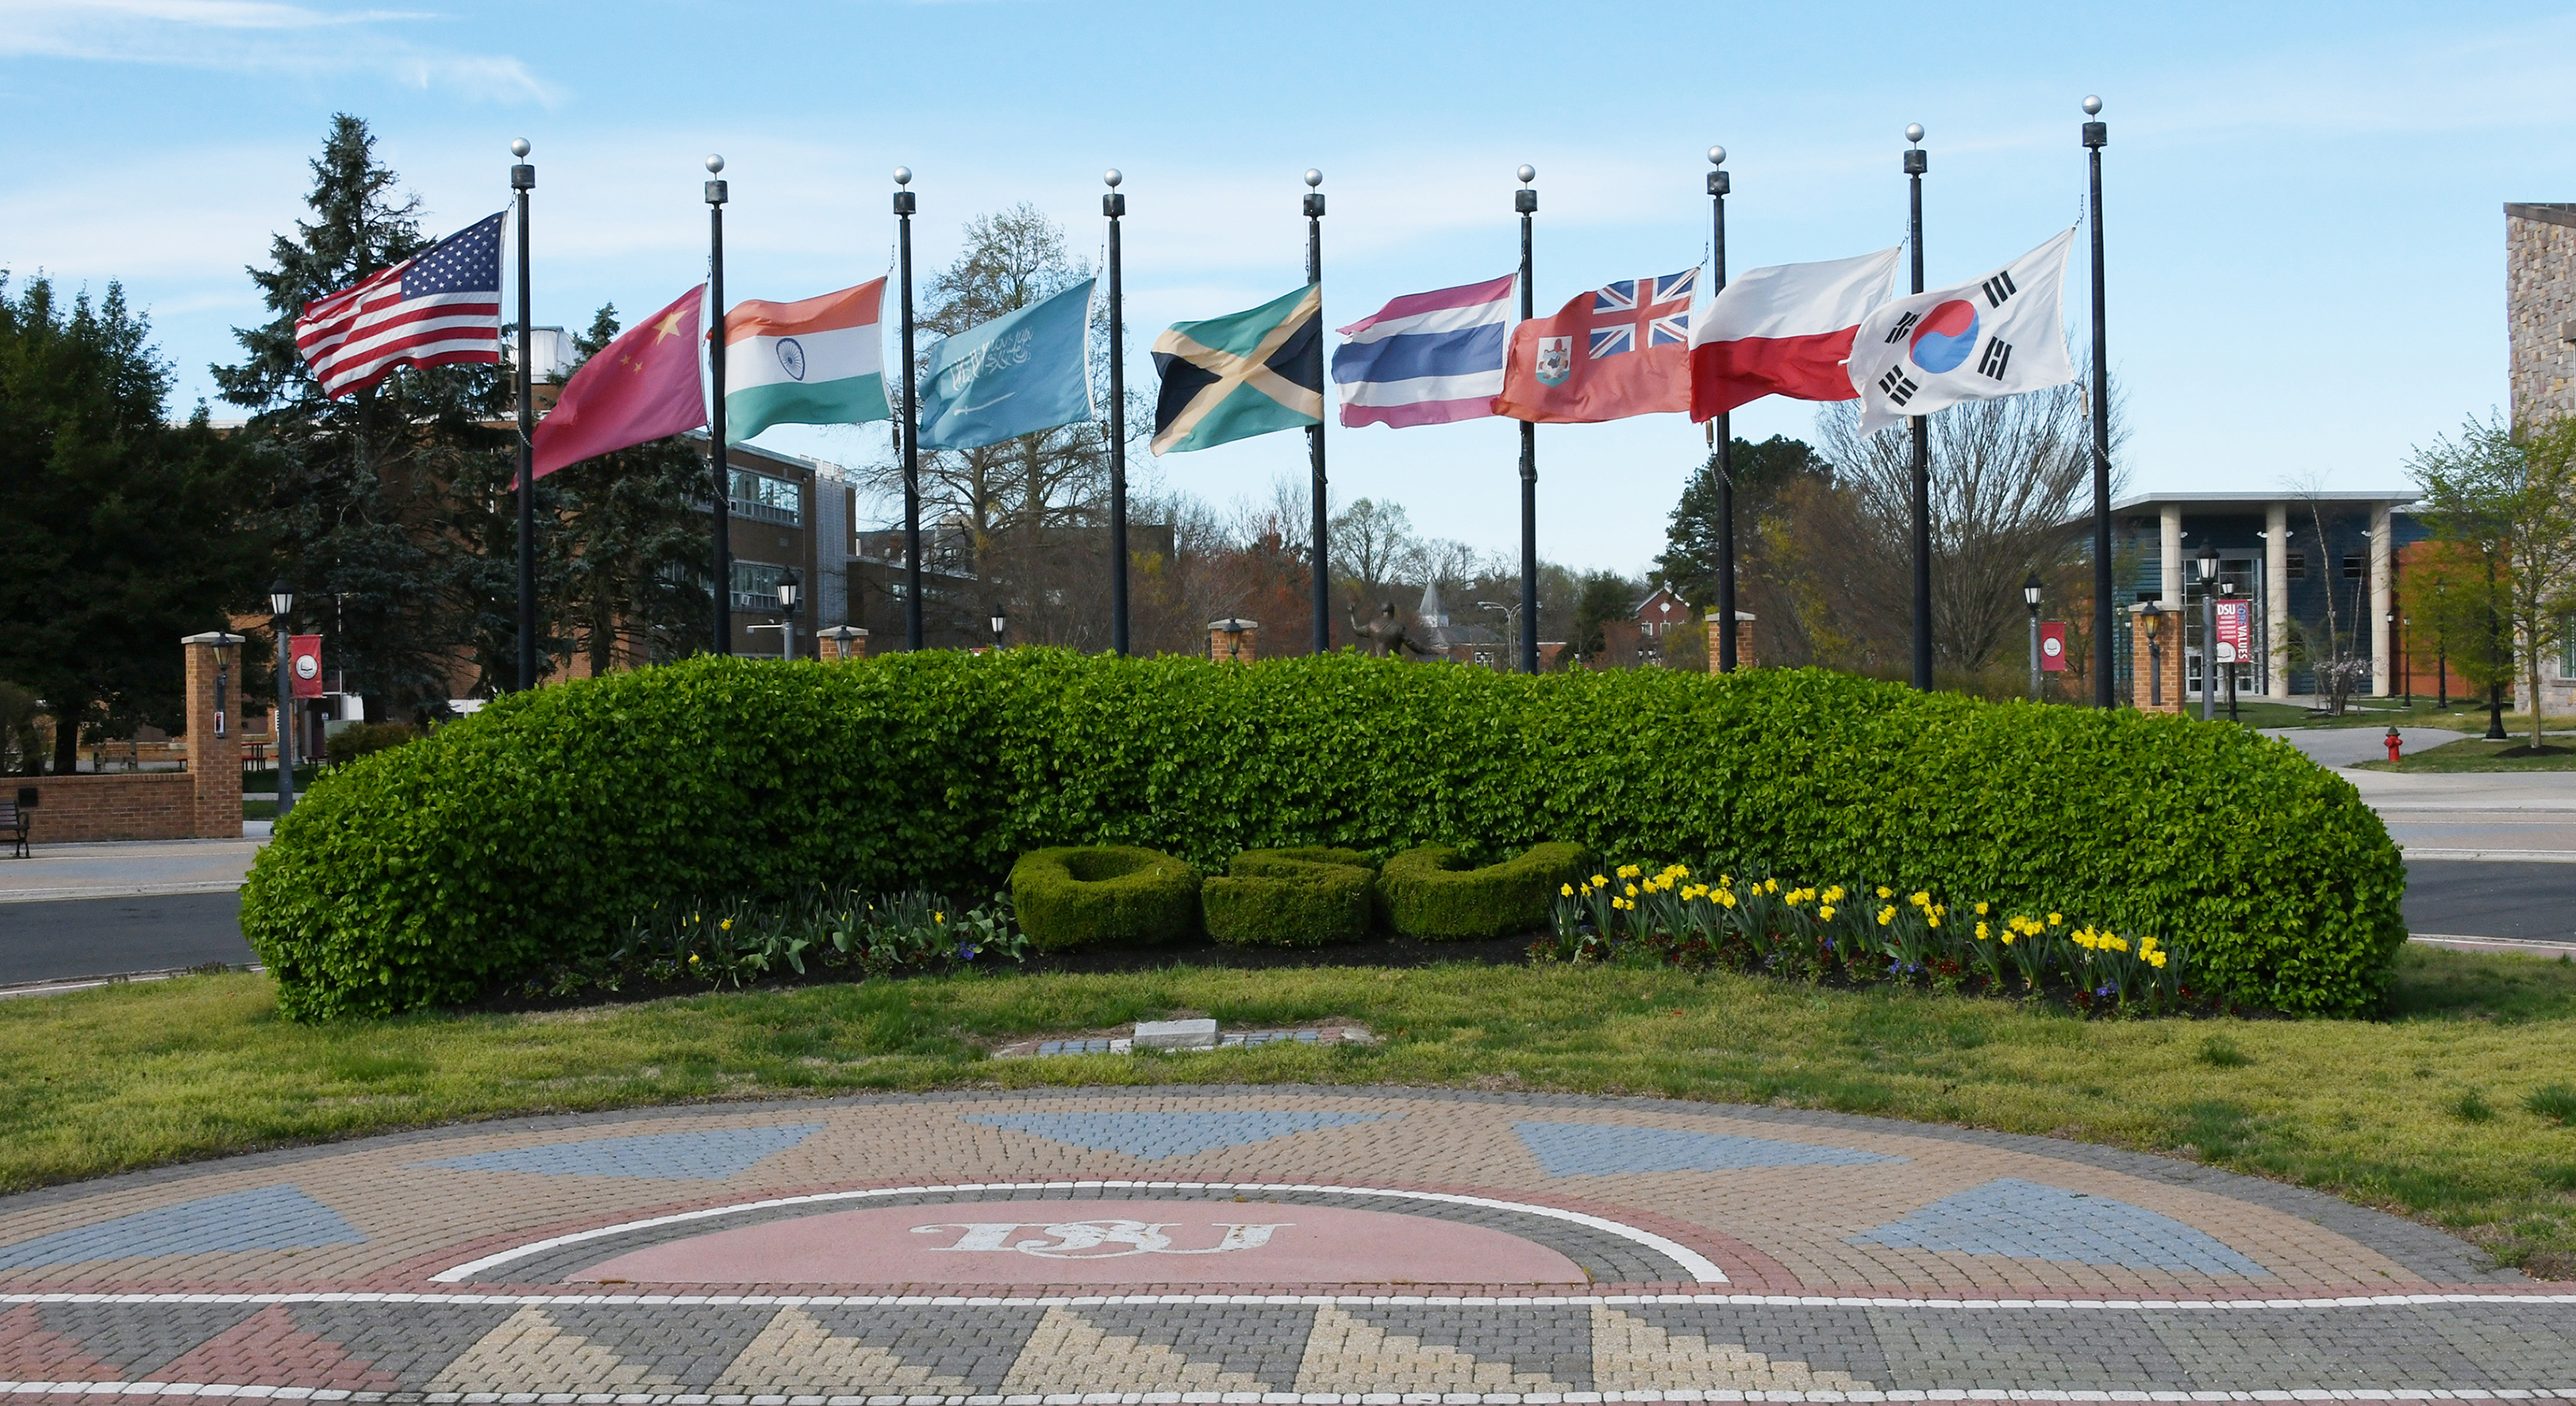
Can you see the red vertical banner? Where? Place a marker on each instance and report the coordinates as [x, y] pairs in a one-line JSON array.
[[304, 659], [2052, 646], [2235, 631]]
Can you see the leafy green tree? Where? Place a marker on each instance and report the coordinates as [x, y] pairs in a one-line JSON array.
[[387, 503], [633, 544], [1602, 596], [1763, 475], [121, 532], [2505, 497]]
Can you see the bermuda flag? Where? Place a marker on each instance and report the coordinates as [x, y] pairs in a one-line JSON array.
[[1426, 358], [1622, 349], [1785, 330], [1998, 336], [816, 362], [439, 306]]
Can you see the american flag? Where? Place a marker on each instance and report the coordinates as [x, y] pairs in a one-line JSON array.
[[439, 306]]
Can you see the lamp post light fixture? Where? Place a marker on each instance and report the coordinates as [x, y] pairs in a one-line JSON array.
[[788, 590], [1512, 616], [2030, 597], [1001, 621], [2208, 631], [2151, 614], [281, 605]]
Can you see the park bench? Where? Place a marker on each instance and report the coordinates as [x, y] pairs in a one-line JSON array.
[[14, 819]]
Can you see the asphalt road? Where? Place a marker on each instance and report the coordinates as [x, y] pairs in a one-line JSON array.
[[80, 937], [88, 937]]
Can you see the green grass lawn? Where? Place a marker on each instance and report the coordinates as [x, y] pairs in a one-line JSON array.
[[2478, 754], [2428, 1113]]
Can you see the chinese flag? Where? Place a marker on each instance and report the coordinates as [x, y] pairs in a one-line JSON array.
[[1622, 349], [640, 387]]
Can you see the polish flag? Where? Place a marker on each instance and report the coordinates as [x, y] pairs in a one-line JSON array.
[[1785, 330]]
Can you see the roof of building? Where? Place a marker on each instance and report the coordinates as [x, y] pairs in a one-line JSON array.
[[2556, 212], [2233, 500]]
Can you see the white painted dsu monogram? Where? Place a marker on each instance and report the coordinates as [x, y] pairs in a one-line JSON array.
[[1095, 1239]]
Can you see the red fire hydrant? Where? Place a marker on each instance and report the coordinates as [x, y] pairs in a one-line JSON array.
[[2394, 742]]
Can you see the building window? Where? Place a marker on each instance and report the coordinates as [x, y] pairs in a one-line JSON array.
[[2354, 568], [764, 499], [755, 585], [2297, 566]]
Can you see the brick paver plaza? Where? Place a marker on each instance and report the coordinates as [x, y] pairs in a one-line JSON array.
[[1258, 1245]]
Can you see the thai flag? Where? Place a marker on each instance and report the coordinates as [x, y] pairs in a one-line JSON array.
[[1426, 358]]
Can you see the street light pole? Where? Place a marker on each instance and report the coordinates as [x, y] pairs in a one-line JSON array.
[[281, 605], [1721, 434], [788, 590], [2030, 596], [523, 179], [2096, 136], [1525, 200], [1916, 162], [2208, 631]]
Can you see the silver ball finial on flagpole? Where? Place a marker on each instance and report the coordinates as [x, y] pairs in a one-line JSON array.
[[1914, 132], [1314, 178], [715, 165], [1112, 177], [1527, 174], [519, 146], [903, 175], [1717, 156], [2092, 105]]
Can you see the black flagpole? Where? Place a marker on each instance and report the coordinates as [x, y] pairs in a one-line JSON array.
[[903, 207], [2096, 135], [1525, 200], [1315, 432], [523, 179], [1916, 160], [716, 414], [1114, 205], [1721, 435]]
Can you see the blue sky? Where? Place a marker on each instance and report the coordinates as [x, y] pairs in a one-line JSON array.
[[2305, 249]]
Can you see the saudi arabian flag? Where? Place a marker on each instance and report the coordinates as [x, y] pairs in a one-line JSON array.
[[816, 362], [1019, 373], [1231, 378]]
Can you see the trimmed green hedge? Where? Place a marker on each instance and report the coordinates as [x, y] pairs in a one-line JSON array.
[[1299, 897], [1437, 892], [1103, 896], [534, 830]]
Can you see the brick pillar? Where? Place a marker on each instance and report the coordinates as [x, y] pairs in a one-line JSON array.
[[214, 734], [2146, 692], [839, 643], [1745, 657], [1230, 640]]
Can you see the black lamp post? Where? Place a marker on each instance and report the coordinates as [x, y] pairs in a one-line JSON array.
[[2397, 637], [2208, 631], [1917, 160], [523, 178], [1113, 206], [1525, 203], [717, 467], [281, 604], [1721, 432], [2096, 136], [2151, 615], [1002, 621], [788, 590], [2030, 597], [1323, 563]]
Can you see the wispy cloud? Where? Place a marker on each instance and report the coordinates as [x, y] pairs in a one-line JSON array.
[[256, 36]]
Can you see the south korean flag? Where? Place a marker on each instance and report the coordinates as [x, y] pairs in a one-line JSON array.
[[1997, 336]]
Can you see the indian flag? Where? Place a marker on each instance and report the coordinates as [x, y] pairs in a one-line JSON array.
[[816, 362]]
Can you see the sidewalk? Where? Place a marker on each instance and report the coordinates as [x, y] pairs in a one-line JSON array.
[[129, 868]]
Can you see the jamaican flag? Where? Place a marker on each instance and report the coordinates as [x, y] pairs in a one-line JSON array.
[[1231, 378]]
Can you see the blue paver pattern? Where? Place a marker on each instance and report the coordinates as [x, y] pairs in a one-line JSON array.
[[710, 1156], [1596, 1149], [2010, 1216], [1158, 1135], [264, 1218]]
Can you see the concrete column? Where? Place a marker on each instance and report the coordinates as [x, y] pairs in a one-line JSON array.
[[2276, 597], [2169, 579], [2381, 598]]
